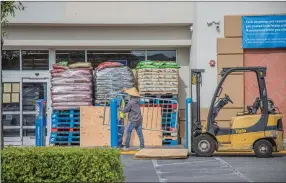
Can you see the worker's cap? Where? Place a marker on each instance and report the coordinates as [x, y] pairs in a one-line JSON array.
[[131, 91]]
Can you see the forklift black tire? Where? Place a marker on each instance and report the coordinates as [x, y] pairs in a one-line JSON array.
[[263, 148], [204, 145]]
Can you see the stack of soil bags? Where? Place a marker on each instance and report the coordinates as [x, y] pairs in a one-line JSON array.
[[71, 85], [156, 77], [109, 79]]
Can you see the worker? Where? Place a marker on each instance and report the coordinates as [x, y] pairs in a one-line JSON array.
[[120, 103], [134, 116]]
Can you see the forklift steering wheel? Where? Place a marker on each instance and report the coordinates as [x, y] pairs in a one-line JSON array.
[[228, 98]]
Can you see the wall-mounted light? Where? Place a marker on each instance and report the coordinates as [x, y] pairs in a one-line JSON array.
[[217, 24]]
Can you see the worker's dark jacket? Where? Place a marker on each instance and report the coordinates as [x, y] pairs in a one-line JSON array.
[[133, 110]]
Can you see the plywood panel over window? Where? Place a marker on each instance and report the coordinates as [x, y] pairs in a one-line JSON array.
[[275, 61]]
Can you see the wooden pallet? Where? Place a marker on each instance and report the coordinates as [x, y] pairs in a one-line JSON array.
[[162, 154], [158, 80], [158, 77], [170, 137], [156, 73], [158, 93], [141, 86]]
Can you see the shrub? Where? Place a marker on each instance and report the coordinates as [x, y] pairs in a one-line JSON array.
[[61, 164]]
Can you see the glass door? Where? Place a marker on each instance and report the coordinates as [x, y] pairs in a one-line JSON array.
[[32, 90]]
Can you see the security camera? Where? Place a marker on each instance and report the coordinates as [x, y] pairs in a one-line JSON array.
[[37, 74]]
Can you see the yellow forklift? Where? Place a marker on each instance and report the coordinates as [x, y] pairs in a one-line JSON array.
[[259, 128]]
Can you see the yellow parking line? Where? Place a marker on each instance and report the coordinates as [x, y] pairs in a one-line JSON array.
[[131, 152]]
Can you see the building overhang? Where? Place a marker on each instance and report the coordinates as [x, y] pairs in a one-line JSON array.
[[96, 43]]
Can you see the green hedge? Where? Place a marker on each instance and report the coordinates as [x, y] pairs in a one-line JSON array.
[[60, 164]]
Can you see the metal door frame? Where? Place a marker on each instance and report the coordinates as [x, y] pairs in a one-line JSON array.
[[33, 80]]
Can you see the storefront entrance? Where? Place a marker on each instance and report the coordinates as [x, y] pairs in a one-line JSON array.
[[19, 110]]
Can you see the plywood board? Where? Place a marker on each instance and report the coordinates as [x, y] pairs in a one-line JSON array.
[[162, 153], [224, 114], [92, 129], [234, 87], [6, 98], [182, 130], [224, 61], [182, 114], [94, 133], [7, 87], [232, 26], [16, 87], [229, 46], [15, 98]]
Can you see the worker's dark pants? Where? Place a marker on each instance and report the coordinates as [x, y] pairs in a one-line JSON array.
[[120, 131], [138, 128]]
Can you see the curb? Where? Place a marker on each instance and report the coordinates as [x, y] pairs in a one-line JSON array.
[[132, 152]]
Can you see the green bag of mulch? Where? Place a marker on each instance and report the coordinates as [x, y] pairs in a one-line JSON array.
[[146, 62], [63, 63], [148, 66], [159, 64], [169, 64]]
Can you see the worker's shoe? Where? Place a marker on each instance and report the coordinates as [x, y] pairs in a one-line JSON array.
[[125, 148], [120, 146], [140, 148]]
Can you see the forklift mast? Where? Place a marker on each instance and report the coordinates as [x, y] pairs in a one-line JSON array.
[[196, 75]]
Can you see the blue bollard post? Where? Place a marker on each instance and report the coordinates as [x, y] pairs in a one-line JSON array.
[[188, 131], [40, 122], [113, 124]]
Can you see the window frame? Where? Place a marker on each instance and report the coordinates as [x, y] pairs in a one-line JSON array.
[[21, 58], [12, 70]]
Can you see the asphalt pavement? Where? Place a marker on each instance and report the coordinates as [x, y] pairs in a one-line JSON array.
[[243, 168]]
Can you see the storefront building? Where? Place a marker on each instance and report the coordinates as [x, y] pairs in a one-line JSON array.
[[49, 32]]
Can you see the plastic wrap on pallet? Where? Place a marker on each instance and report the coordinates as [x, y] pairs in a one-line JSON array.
[[72, 98], [59, 89], [56, 81], [71, 87], [71, 73], [109, 81]]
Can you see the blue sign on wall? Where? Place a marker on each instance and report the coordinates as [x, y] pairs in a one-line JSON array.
[[264, 31]]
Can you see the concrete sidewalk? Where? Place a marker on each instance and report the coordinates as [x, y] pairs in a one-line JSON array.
[[134, 150]]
